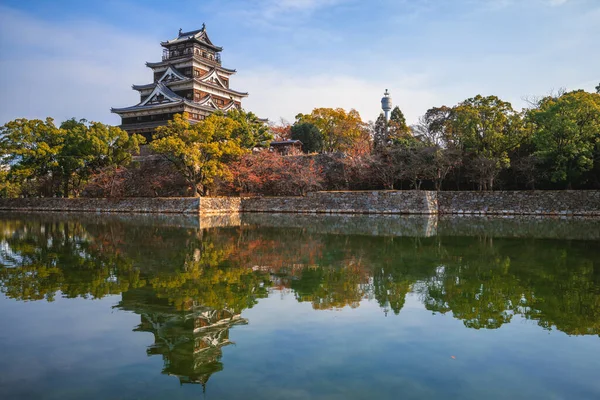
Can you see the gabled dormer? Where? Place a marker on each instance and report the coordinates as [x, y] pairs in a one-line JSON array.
[[172, 75], [213, 77], [161, 95]]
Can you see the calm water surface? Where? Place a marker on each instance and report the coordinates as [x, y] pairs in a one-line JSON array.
[[298, 307]]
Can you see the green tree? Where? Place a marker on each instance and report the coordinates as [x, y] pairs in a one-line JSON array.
[[566, 133], [199, 152], [598, 88], [30, 149], [486, 129], [398, 132], [42, 159], [309, 135], [89, 148], [380, 136], [433, 127], [251, 130]]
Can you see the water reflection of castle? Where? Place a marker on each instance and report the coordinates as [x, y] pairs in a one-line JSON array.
[[190, 341]]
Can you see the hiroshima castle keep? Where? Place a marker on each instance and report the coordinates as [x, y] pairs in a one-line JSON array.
[[189, 79]]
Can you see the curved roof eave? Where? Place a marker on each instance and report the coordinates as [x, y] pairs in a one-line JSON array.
[[170, 62]]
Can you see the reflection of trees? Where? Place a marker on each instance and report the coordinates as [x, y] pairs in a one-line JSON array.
[[328, 287], [208, 278], [484, 282], [479, 290], [38, 259]]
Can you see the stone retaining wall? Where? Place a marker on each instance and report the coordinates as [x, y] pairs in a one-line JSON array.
[[371, 202], [220, 205], [567, 202], [547, 202], [180, 205]]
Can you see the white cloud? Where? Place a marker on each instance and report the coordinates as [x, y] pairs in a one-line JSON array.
[[280, 14], [83, 68], [276, 94], [76, 70]]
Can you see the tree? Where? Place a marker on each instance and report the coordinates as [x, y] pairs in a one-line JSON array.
[[439, 162], [566, 133], [380, 136], [271, 173], [309, 135], [486, 129], [251, 130], [90, 148], [384, 165], [45, 160], [30, 149], [413, 164], [199, 152], [281, 130], [398, 132], [598, 88], [432, 127], [341, 130]]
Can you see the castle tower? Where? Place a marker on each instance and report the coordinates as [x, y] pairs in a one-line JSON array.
[[189, 79], [386, 104]]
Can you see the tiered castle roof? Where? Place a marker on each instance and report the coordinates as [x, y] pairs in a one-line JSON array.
[[190, 78]]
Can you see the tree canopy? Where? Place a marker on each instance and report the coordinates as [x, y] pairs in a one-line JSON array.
[[310, 136], [567, 134], [200, 152], [340, 129], [46, 160], [251, 131]]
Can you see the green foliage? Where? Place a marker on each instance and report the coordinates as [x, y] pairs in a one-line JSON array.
[[486, 129], [341, 130], [484, 281], [46, 160], [398, 131], [566, 134], [380, 136], [251, 131], [309, 135], [199, 152]]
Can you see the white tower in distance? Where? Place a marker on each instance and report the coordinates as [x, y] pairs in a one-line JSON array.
[[386, 105]]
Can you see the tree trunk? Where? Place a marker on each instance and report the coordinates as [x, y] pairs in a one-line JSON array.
[[197, 190], [66, 188]]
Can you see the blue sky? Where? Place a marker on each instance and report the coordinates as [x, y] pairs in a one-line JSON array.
[[79, 58]]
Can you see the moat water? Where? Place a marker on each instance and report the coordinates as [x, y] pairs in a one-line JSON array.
[[298, 307]]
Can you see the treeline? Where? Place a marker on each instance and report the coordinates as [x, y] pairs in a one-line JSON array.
[[81, 158], [41, 159], [481, 143]]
